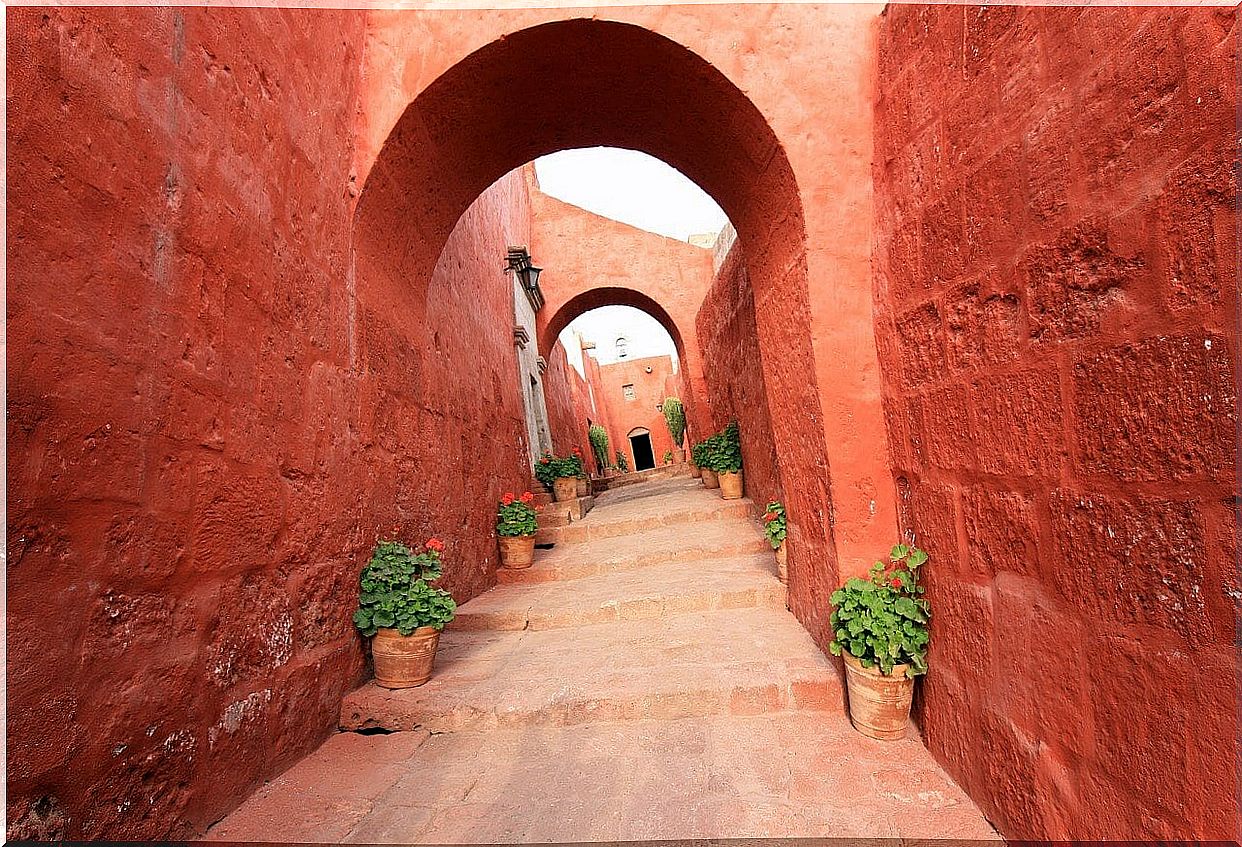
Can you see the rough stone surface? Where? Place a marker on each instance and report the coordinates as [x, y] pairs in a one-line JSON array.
[[686, 723], [1052, 188]]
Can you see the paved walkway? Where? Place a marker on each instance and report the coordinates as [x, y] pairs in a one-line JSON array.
[[643, 680]]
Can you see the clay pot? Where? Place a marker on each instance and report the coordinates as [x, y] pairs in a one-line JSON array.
[[679, 456], [879, 704], [517, 551], [782, 563], [584, 487], [695, 471], [709, 478], [565, 488], [404, 661], [730, 485]]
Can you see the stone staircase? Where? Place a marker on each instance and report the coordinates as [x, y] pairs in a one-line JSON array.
[[642, 680], [664, 605]]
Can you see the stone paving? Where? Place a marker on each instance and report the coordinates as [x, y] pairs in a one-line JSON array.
[[643, 680]]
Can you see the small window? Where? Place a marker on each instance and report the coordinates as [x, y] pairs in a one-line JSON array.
[[628, 391], [623, 347]]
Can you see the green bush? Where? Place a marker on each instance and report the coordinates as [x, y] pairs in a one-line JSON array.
[[394, 590], [549, 468], [774, 526], [883, 620], [623, 464], [598, 436], [675, 418], [668, 457], [722, 452], [698, 454]]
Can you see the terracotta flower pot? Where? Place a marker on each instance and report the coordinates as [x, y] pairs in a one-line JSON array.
[[404, 661], [584, 486], [709, 478], [517, 551], [879, 704], [782, 563], [679, 456], [565, 488], [730, 484], [695, 471]]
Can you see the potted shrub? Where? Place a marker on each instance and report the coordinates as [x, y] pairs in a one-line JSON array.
[[516, 524], [623, 464], [668, 457], [696, 460], [401, 612], [727, 462], [675, 419], [880, 628], [707, 459], [560, 476], [775, 529], [598, 436]]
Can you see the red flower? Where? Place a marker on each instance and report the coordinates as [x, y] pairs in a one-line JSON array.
[[544, 460], [896, 582], [527, 497], [577, 452], [508, 498], [435, 544], [770, 516]]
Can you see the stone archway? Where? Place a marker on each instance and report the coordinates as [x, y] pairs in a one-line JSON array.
[[459, 135]]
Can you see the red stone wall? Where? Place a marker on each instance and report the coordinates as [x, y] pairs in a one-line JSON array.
[[207, 429], [735, 384], [1056, 297], [569, 405]]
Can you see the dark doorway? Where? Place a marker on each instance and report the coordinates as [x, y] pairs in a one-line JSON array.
[[640, 446]]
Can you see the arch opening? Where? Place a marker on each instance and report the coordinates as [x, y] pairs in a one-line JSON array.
[[638, 90]]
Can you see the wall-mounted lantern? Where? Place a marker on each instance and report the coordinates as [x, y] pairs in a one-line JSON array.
[[518, 261]]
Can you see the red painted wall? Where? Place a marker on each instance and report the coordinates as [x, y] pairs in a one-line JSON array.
[[735, 384], [569, 405], [207, 430], [1056, 298], [623, 416]]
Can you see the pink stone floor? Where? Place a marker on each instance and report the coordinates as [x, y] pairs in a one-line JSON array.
[[642, 681]]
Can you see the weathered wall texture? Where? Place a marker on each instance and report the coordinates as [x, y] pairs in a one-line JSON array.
[[735, 384], [206, 433], [569, 405], [1056, 250]]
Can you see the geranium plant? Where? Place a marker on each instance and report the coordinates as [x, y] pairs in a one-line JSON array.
[[722, 452], [516, 516], [883, 620], [395, 591], [549, 468], [623, 464], [698, 454], [668, 457], [574, 463], [774, 524]]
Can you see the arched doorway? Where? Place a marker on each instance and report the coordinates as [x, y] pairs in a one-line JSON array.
[[459, 136], [640, 449]]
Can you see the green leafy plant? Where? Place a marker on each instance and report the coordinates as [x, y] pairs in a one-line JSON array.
[[668, 457], [549, 468], [516, 516], [675, 418], [573, 462], [598, 436], [623, 464], [723, 451], [394, 590], [698, 454], [883, 620], [774, 524]]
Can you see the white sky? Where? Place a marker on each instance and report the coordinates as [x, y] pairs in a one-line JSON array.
[[639, 190], [630, 187], [604, 325]]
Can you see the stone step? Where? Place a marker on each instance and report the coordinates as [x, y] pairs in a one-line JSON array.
[[614, 522], [654, 592], [728, 661], [550, 519], [665, 544]]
